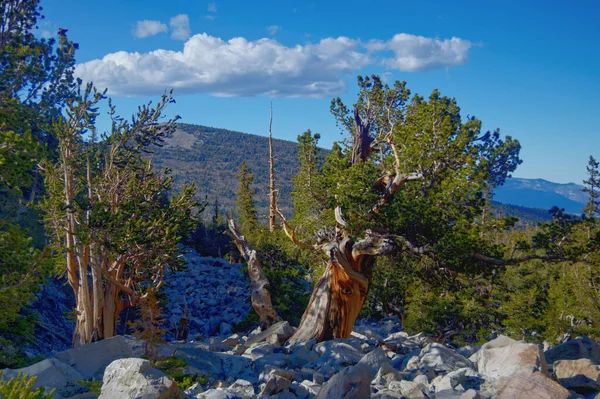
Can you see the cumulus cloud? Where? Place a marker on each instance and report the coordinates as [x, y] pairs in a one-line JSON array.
[[180, 27], [148, 28], [417, 53], [273, 29], [241, 67]]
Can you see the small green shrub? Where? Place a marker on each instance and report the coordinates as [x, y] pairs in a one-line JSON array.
[[92, 386], [174, 368], [21, 387]]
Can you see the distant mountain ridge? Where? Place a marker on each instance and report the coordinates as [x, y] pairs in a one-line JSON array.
[[540, 193], [210, 158]]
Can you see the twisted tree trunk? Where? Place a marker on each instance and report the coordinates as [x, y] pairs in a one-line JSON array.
[[340, 294]]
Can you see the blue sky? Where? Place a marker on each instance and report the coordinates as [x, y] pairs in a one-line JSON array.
[[531, 68]]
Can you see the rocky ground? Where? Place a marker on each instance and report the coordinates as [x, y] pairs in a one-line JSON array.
[[379, 360], [214, 291]]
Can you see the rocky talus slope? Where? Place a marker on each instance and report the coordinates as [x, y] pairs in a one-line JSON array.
[[377, 361]]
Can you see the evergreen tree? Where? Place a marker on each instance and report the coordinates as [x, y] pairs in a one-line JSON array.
[[410, 176], [307, 196], [215, 219], [109, 213], [245, 204], [592, 187], [36, 76]]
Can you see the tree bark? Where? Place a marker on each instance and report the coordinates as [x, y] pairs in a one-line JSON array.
[[340, 294], [259, 294], [272, 196]]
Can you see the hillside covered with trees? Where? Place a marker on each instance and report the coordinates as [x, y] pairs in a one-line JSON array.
[[209, 157]]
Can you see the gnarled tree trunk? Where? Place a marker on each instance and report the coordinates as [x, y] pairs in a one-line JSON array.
[[340, 294]]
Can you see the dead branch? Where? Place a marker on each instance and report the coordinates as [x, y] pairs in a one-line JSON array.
[[259, 294], [291, 233]]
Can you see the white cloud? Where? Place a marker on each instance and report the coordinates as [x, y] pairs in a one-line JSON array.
[[273, 29], [239, 67], [212, 7], [148, 28], [417, 53], [180, 27]]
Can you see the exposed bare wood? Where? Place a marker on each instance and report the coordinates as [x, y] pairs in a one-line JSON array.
[[272, 191], [338, 297], [291, 233], [339, 217], [399, 180], [259, 295], [361, 148]]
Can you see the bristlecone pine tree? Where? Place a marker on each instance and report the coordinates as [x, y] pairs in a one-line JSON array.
[[109, 213], [410, 181]]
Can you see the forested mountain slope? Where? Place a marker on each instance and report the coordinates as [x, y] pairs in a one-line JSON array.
[[211, 157]]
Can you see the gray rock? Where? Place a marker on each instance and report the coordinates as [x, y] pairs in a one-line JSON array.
[[219, 393], [385, 375], [468, 351], [449, 394], [472, 394], [270, 371], [530, 385], [374, 360], [440, 359], [135, 378], [581, 375], [239, 349], [578, 348], [409, 389], [236, 367], [91, 359], [311, 387], [351, 382], [504, 356], [232, 340], [318, 378], [51, 374], [338, 345], [201, 362], [335, 355], [194, 390], [387, 394], [401, 361], [276, 359], [303, 353], [243, 387], [461, 380], [282, 329], [299, 390], [259, 350], [275, 384]]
